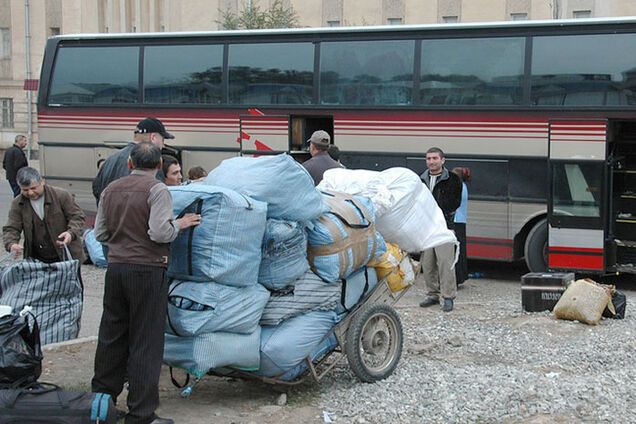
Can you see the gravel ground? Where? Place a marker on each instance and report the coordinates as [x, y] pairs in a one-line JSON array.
[[487, 361]]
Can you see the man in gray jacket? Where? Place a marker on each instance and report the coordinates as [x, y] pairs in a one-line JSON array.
[[320, 160], [116, 166]]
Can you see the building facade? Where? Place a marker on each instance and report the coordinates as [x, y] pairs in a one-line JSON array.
[[25, 26]]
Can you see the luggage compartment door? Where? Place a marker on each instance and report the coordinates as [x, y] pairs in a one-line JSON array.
[[577, 201], [264, 134]]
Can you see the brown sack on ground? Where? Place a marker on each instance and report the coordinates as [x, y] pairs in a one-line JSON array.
[[584, 300]]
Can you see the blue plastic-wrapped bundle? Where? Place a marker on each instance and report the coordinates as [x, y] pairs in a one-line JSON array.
[[286, 345], [279, 181], [199, 354], [344, 239], [94, 249], [197, 308], [284, 254], [355, 288], [226, 246]]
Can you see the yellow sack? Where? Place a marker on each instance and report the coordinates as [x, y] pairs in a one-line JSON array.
[[584, 300], [395, 266]]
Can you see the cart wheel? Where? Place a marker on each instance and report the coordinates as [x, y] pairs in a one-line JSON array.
[[374, 342]]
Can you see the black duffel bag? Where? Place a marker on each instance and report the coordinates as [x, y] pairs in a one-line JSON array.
[[20, 351], [619, 301], [47, 403]]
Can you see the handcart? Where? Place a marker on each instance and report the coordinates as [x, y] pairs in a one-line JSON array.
[[370, 336]]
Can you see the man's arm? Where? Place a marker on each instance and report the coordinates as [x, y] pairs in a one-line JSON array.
[[13, 229], [455, 193], [9, 162], [162, 227], [74, 215], [101, 232]]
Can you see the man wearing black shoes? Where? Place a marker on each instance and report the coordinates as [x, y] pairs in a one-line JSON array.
[[437, 262]]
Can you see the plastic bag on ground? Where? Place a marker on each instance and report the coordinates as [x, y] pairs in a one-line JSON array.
[[94, 249], [279, 181], [344, 239], [20, 352], [583, 301], [226, 246], [197, 308], [284, 254]]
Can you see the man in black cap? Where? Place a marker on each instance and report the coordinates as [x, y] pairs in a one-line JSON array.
[[116, 166], [320, 160]]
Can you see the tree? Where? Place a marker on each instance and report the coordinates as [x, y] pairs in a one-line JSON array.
[[253, 17]]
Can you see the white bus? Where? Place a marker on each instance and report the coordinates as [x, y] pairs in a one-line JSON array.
[[542, 112]]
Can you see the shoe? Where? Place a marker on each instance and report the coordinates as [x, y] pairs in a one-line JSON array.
[[429, 301], [448, 305], [159, 420]]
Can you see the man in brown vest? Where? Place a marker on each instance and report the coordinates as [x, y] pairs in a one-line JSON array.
[[135, 220]]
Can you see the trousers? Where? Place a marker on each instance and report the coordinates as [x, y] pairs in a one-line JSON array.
[[437, 268], [131, 337]]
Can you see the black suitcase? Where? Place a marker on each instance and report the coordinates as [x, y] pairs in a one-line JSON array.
[[540, 291], [47, 403]]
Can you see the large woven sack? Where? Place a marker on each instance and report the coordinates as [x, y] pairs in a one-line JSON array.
[[52, 290], [343, 239], [583, 301], [309, 293], [284, 254], [288, 344], [279, 181], [199, 354], [355, 288], [226, 246], [197, 308]]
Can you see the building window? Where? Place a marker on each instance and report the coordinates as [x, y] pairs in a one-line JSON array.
[[5, 43], [53, 31], [7, 112], [450, 19], [518, 16], [333, 23], [394, 21], [582, 14]]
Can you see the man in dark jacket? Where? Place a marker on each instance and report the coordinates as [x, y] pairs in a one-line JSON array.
[[135, 219], [320, 160], [49, 218], [14, 160], [116, 166], [437, 262]]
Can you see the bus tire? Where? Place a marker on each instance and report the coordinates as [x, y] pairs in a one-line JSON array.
[[536, 247], [374, 342]]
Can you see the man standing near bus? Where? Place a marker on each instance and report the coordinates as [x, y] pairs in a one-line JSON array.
[[437, 262], [320, 160], [14, 160], [116, 166], [135, 220]]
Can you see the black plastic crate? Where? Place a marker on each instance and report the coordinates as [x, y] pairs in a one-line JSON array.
[[540, 291]]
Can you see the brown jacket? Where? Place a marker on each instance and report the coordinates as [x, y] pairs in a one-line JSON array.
[[61, 213]]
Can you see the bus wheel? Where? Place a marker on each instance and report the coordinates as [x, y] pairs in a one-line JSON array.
[[536, 248]]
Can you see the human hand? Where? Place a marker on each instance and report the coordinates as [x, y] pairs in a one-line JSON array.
[[16, 250], [64, 238], [189, 220]]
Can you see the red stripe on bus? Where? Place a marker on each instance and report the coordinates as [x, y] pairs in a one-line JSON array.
[[586, 250], [489, 251], [439, 135], [574, 261], [382, 127]]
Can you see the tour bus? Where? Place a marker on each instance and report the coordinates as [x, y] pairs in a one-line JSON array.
[[542, 112]]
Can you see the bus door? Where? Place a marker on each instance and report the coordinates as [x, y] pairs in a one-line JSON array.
[[264, 134], [578, 195]]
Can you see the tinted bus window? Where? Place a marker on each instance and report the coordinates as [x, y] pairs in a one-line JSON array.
[[95, 75], [529, 180], [489, 178], [275, 73], [584, 70], [183, 74], [366, 72], [484, 71]]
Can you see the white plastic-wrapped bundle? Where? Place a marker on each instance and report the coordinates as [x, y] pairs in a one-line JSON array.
[[407, 213]]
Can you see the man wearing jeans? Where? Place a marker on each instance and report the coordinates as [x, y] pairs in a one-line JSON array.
[[437, 262]]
